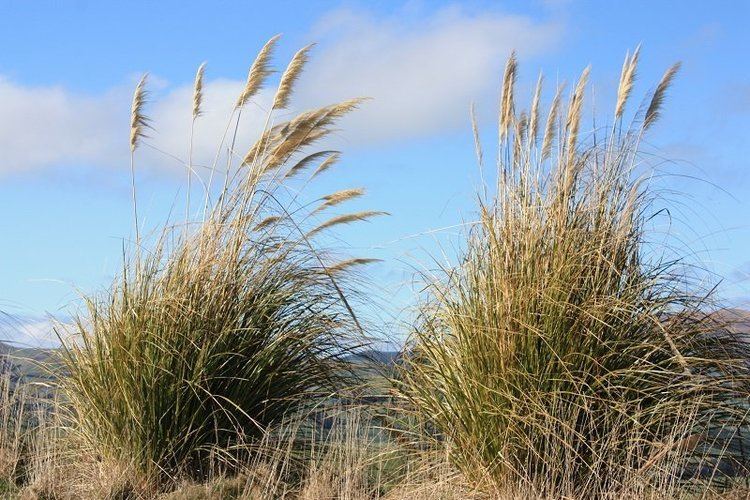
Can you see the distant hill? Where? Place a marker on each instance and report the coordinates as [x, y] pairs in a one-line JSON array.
[[376, 357], [739, 319], [26, 364]]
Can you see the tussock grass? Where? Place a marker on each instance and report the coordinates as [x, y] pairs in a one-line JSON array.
[[220, 331], [563, 357], [564, 353]]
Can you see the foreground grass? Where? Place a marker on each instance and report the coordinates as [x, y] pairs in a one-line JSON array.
[[360, 456]]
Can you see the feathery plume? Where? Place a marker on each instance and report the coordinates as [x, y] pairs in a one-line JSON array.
[[349, 263], [551, 128], [339, 197], [506, 101], [627, 78], [521, 127], [290, 76], [259, 72], [198, 91], [573, 120], [304, 131], [534, 113], [268, 221], [260, 146], [138, 121], [475, 131], [306, 161], [652, 113], [345, 219], [326, 164]]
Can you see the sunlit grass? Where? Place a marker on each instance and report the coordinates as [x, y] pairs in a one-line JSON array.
[[559, 353]]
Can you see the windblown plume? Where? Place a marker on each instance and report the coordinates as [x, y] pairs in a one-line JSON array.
[[290, 76], [281, 141], [306, 161], [652, 114], [138, 121], [198, 91], [268, 221], [573, 121], [261, 145], [550, 129], [349, 263], [339, 197], [303, 131], [475, 130], [259, 72], [345, 219], [326, 164], [506, 101], [521, 128], [627, 78], [534, 113]]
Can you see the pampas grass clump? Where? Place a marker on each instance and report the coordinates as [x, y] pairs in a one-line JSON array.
[[220, 330], [564, 352]]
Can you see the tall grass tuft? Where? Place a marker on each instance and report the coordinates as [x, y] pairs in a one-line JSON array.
[[565, 352], [212, 336]]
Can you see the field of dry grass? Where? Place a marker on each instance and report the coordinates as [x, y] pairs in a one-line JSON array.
[[561, 356]]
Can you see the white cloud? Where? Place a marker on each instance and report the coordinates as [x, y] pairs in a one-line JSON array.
[[43, 126], [33, 331], [422, 74]]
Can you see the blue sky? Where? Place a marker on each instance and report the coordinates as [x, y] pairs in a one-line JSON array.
[[67, 71]]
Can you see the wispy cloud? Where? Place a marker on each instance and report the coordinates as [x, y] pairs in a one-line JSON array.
[[421, 70], [32, 331]]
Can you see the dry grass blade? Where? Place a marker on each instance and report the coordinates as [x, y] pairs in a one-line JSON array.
[[290, 76], [259, 72], [345, 219], [627, 78], [654, 107], [506, 101], [138, 121], [198, 91]]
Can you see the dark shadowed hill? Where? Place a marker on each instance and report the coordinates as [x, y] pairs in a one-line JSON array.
[[373, 356], [26, 364]]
